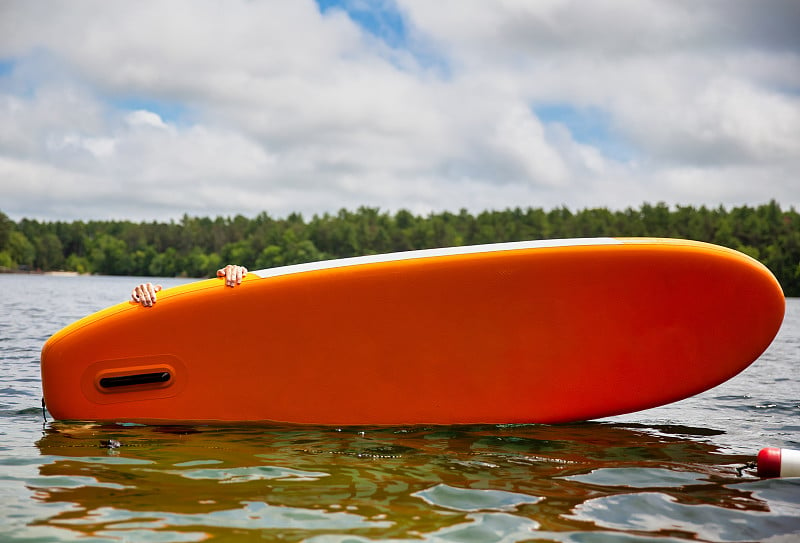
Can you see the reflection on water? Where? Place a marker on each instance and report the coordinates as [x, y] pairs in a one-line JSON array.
[[664, 475], [481, 483]]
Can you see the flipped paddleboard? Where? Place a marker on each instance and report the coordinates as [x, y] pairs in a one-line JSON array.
[[529, 332]]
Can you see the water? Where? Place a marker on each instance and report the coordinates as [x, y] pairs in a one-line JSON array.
[[664, 475]]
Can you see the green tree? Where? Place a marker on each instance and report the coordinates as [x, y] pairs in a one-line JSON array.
[[109, 256], [21, 250], [198, 264], [301, 252], [6, 227], [238, 252], [6, 262], [49, 252], [165, 264], [270, 257], [77, 263]]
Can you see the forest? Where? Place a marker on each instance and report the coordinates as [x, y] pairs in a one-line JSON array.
[[198, 246]]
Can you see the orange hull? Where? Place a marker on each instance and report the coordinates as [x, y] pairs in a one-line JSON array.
[[534, 332]]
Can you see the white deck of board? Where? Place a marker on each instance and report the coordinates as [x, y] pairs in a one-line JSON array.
[[431, 253]]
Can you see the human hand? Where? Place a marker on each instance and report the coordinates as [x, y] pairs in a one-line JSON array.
[[232, 274], [145, 294]]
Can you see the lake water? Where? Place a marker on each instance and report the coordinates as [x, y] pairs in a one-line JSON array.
[[664, 475]]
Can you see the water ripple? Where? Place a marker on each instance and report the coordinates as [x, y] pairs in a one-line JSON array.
[[664, 475], [474, 499], [653, 512]]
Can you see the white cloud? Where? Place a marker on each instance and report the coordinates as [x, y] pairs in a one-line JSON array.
[[145, 118], [519, 138], [152, 109]]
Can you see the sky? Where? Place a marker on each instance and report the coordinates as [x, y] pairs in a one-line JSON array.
[[149, 110]]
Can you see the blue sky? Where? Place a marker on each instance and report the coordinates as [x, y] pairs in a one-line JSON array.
[[170, 111], [381, 19], [588, 125], [6, 66], [149, 110]]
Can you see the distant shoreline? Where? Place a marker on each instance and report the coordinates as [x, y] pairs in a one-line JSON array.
[[39, 272]]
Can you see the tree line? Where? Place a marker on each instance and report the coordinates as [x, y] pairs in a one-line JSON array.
[[198, 246]]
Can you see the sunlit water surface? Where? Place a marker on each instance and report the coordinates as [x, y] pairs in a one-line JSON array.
[[663, 475]]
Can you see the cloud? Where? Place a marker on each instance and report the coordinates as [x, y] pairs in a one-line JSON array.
[[148, 109]]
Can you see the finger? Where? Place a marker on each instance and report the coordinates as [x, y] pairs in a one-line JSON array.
[[139, 294], [225, 273], [241, 271], [153, 289], [144, 295], [149, 293]]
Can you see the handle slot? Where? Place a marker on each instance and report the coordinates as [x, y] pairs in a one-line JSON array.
[[158, 377]]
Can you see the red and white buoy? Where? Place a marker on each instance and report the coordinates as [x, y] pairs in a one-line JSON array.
[[775, 462]]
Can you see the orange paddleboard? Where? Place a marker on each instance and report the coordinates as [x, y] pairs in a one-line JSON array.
[[528, 332]]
